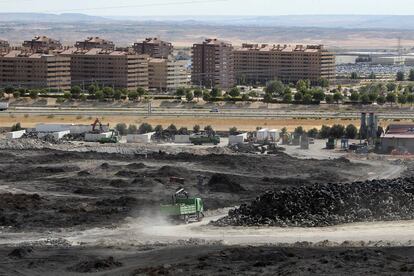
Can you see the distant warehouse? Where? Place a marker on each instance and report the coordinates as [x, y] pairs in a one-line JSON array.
[[398, 139], [254, 63]]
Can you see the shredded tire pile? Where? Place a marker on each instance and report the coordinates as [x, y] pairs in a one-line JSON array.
[[328, 204]]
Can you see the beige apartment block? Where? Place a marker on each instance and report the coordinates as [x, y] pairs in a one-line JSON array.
[[168, 75], [42, 44], [154, 47], [34, 70], [4, 45], [95, 42], [213, 64], [254, 63], [118, 69]]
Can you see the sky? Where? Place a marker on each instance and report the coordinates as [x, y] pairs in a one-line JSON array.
[[211, 7]]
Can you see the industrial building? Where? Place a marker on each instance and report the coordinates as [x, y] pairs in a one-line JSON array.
[[154, 47], [213, 64], [34, 70], [398, 139], [254, 63], [95, 42], [42, 44], [167, 74], [118, 69]]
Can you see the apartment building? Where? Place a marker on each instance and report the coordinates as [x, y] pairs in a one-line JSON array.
[[213, 64], [154, 47], [254, 63], [95, 42], [168, 75], [34, 70], [118, 69], [4, 45], [42, 44]]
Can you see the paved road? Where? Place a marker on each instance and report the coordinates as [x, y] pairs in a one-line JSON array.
[[230, 113]]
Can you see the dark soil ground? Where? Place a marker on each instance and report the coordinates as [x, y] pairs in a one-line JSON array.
[[48, 189], [207, 260]]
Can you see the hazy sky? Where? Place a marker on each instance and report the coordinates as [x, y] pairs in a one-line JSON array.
[[212, 7]]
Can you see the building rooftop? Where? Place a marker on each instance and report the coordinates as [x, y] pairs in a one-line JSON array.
[[400, 129], [398, 136], [26, 54], [94, 52], [280, 48]]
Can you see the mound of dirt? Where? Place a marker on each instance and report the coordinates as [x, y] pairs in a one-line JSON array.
[[136, 166], [84, 173], [20, 252], [95, 265], [19, 201], [222, 183], [328, 204], [122, 201], [127, 173], [169, 171]]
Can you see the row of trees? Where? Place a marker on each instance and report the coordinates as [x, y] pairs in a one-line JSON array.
[[400, 76], [337, 131], [171, 130]]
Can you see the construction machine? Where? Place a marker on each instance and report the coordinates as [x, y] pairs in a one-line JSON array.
[[95, 124], [183, 207], [113, 139]]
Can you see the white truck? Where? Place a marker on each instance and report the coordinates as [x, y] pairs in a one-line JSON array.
[[4, 106]]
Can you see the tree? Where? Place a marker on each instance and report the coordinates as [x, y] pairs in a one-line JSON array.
[[180, 92], [183, 131], [16, 94], [402, 99], [67, 95], [298, 131], [198, 93], [318, 95], [92, 89], [373, 95], [372, 76], [307, 98], [117, 94], [145, 128], [410, 99], [159, 130], [411, 75], [16, 127], [34, 94], [9, 90], [323, 82], [329, 99], [287, 98], [83, 97], [141, 92], [354, 76], [298, 96], [132, 95], [206, 96], [108, 92], [354, 96], [351, 131], [172, 129], [302, 86], [337, 131], [132, 129], [324, 132], [391, 98], [75, 91], [283, 130], [233, 131], [313, 133], [189, 96], [391, 86], [268, 98], [381, 100], [234, 92], [196, 129], [245, 97], [209, 130], [400, 76], [275, 88], [121, 128], [364, 98], [337, 97], [99, 95], [215, 92]]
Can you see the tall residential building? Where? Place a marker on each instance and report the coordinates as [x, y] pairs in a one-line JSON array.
[[255, 63], [168, 75], [212, 64], [34, 70], [42, 44], [117, 69], [95, 42], [4, 45], [154, 47]]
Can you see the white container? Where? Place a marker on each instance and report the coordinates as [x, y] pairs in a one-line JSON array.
[[95, 137], [274, 135], [140, 138], [182, 139], [237, 139], [52, 127], [4, 105], [80, 129], [15, 134], [262, 134], [57, 135]]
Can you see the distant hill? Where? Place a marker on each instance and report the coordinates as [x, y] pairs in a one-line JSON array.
[[50, 18]]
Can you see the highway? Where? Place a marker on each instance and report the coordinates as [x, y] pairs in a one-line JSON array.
[[181, 112]]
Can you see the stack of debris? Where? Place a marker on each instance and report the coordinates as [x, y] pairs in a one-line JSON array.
[[328, 204]]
